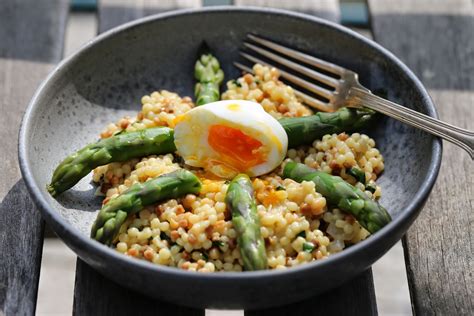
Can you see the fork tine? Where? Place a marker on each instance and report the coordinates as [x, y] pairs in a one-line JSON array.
[[298, 81], [314, 103], [308, 100], [243, 67], [316, 62], [294, 66]]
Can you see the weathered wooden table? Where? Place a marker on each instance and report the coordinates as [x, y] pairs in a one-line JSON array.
[[434, 38]]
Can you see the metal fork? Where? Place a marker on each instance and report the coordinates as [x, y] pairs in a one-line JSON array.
[[345, 90]]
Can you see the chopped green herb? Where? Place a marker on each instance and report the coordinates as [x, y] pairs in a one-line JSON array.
[[178, 159], [205, 256], [257, 81], [280, 188], [371, 188], [308, 247], [301, 234], [163, 236], [218, 243], [358, 174], [237, 83]]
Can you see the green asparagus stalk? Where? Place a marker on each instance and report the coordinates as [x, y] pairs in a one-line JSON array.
[[371, 215], [159, 140], [121, 147], [209, 75], [113, 214], [240, 201], [304, 130]]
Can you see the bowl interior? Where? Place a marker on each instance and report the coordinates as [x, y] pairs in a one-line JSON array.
[[106, 81]]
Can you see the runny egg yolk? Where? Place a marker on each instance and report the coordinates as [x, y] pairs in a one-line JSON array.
[[230, 137], [236, 149]]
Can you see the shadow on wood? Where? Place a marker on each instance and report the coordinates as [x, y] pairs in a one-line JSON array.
[[96, 295], [21, 245]]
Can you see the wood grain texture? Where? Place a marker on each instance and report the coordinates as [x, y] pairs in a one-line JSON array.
[[90, 285], [439, 246], [356, 297], [89, 298], [116, 12], [439, 47], [32, 39], [455, 7], [32, 30], [326, 9]]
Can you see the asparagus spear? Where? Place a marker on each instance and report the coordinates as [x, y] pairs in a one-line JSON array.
[[120, 147], [209, 75], [159, 140], [304, 130], [114, 213], [240, 201], [371, 215]]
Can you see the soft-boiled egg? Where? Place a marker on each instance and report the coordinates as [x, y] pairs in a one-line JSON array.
[[230, 137]]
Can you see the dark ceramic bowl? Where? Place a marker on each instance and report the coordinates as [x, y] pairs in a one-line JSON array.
[[106, 79]]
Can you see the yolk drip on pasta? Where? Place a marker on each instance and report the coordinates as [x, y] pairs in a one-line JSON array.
[[236, 149]]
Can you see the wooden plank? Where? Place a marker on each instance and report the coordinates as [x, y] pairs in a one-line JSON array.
[[356, 297], [439, 246], [437, 43], [90, 299], [116, 12], [423, 7], [89, 284], [31, 30], [327, 9], [447, 38], [32, 34]]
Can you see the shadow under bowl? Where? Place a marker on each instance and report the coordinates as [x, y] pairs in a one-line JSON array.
[[105, 80]]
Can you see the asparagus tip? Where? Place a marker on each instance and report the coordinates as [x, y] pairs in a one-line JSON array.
[[51, 190]]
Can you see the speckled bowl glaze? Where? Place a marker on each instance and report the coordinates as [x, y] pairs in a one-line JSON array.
[[106, 79]]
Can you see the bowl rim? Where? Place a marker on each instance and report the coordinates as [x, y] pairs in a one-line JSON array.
[[74, 237]]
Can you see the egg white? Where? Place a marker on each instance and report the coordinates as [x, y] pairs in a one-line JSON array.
[[192, 131]]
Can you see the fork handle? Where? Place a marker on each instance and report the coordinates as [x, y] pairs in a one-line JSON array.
[[458, 136]]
